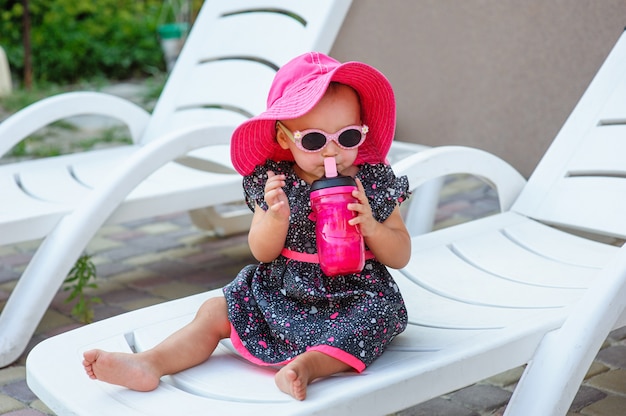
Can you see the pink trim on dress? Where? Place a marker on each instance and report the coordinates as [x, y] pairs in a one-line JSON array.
[[340, 355], [334, 352], [241, 349], [312, 258]]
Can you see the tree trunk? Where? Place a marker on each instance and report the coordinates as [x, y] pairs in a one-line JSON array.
[[28, 67]]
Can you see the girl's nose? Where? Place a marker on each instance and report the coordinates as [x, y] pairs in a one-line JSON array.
[[331, 149]]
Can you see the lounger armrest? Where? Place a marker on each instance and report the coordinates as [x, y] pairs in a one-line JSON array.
[[62, 247], [448, 160], [44, 112]]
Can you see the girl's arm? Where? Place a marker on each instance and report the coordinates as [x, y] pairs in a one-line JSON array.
[[389, 241], [268, 230]]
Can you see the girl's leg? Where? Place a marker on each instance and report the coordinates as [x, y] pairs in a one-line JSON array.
[[294, 378], [189, 346]]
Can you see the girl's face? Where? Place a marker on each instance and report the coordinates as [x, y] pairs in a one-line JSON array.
[[337, 109]]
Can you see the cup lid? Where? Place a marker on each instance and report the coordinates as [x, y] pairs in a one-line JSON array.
[[325, 182]]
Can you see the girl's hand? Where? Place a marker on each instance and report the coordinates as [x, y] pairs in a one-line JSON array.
[[269, 227], [364, 219], [389, 241], [275, 196]]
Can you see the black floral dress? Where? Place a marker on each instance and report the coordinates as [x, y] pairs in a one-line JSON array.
[[281, 309]]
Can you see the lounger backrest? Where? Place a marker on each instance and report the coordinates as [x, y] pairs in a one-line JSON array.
[[232, 53], [580, 183]]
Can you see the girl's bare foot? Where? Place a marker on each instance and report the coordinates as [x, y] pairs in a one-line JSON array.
[[128, 370], [293, 380]]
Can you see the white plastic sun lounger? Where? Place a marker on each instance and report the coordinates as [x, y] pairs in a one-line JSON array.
[[483, 297], [221, 77]]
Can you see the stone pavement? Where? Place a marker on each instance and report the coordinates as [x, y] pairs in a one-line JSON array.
[[154, 260]]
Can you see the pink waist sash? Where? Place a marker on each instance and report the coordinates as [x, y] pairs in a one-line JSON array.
[[313, 258]]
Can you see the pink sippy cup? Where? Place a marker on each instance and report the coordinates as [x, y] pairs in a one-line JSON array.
[[340, 245]]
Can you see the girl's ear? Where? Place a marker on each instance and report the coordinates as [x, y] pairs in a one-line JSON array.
[[281, 138]]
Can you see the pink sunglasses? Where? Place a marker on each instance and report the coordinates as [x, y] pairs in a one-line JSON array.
[[314, 140]]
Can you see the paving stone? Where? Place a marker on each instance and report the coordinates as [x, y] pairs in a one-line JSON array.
[[156, 243], [59, 330], [240, 252], [612, 381], [209, 279], [506, 378], [28, 246], [438, 407], [138, 223], [595, 369], [171, 268], [157, 228], [53, 319], [141, 303], [41, 407], [451, 209], [151, 281], [7, 275], [16, 259], [144, 259], [175, 290], [104, 311], [122, 295], [8, 286], [609, 406], [123, 252], [126, 279], [104, 284], [27, 412], [206, 257], [11, 374], [111, 230], [100, 243], [181, 220], [613, 356], [618, 334], [586, 396], [459, 184], [182, 251], [110, 269], [9, 404], [6, 250], [481, 397], [20, 391]]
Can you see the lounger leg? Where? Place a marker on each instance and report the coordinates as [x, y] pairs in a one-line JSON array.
[[562, 359], [38, 285]]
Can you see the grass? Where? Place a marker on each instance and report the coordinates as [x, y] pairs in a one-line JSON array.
[[78, 280]]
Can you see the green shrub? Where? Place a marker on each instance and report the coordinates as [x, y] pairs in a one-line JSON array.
[[76, 40]]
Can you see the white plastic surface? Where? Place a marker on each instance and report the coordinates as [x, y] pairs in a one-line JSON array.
[[67, 198], [454, 337]]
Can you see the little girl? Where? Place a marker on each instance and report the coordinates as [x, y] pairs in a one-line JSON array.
[[284, 311]]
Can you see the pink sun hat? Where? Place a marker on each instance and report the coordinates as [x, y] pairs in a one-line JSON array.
[[297, 88]]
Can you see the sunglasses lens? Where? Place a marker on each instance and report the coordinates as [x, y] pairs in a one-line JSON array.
[[313, 141], [350, 138]]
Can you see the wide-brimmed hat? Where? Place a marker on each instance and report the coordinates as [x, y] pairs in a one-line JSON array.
[[297, 87]]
